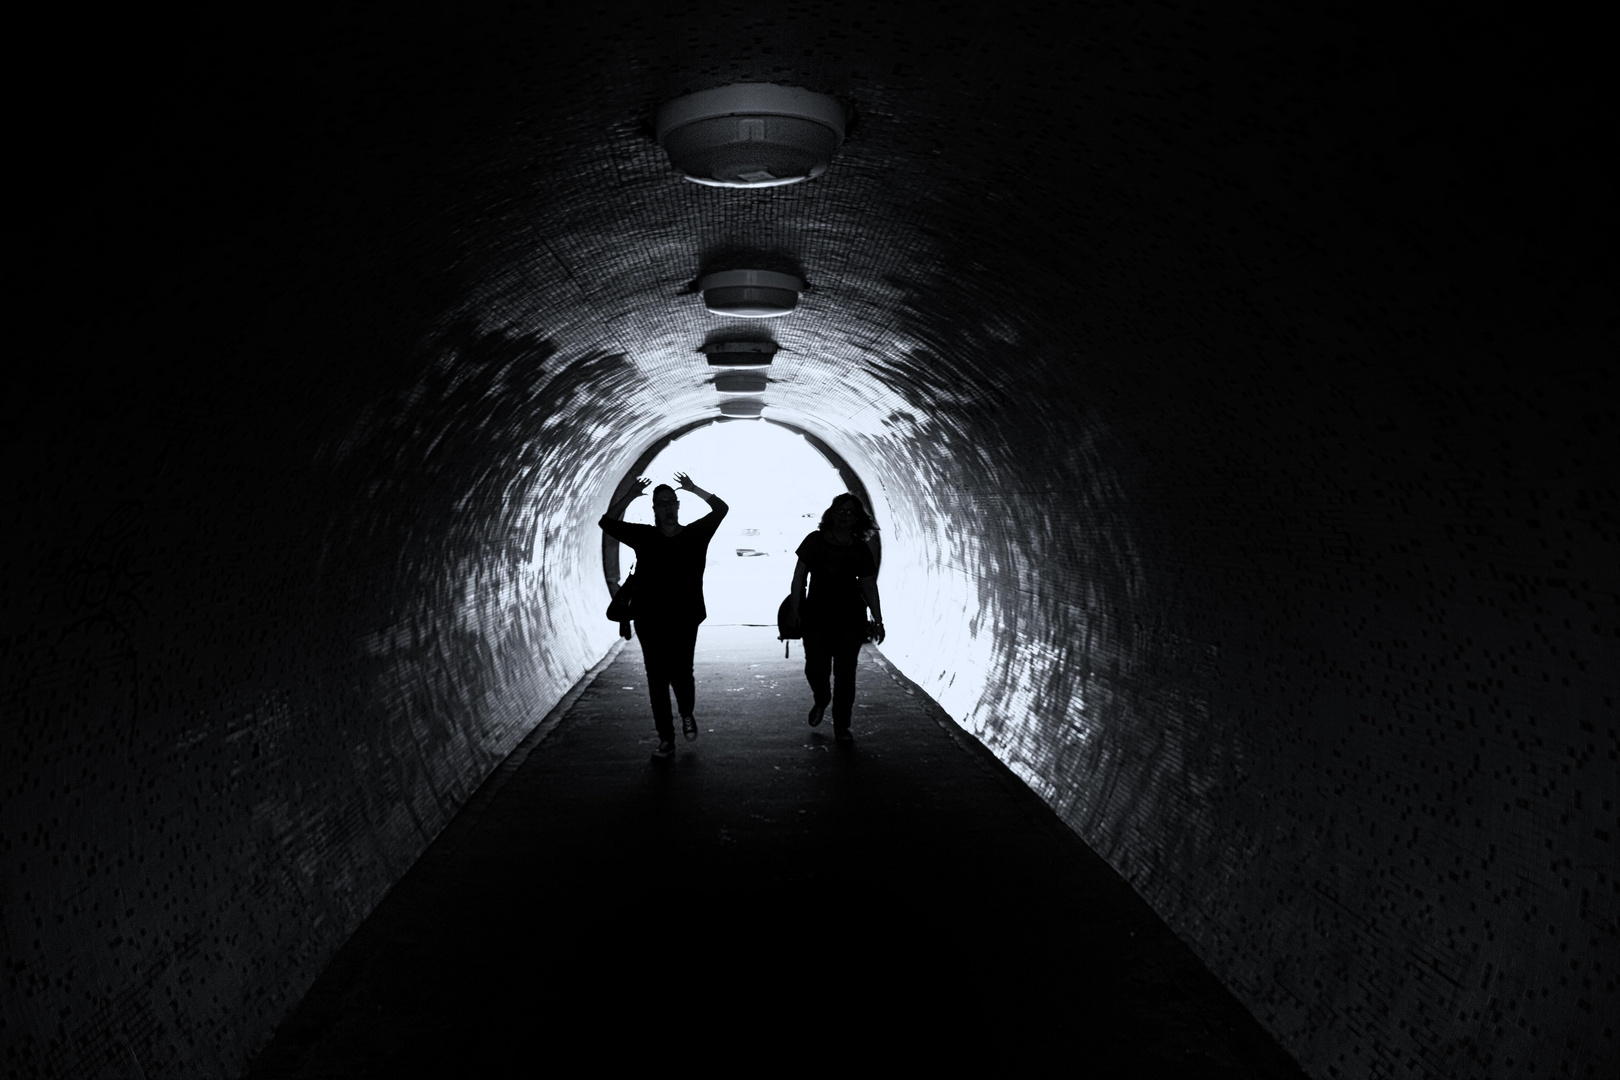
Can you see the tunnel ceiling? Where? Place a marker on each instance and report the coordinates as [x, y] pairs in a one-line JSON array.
[[1133, 179], [1232, 385]]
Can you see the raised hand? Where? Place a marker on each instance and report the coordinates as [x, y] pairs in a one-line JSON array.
[[686, 484], [628, 495]]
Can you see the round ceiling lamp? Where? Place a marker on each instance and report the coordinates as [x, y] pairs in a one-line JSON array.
[[751, 135], [742, 407], [739, 353], [741, 382], [750, 294]]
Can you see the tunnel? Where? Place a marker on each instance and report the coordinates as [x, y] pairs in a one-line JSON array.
[[1232, 386]]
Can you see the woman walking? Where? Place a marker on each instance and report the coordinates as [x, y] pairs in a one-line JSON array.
[[843, 586], [670, 558]]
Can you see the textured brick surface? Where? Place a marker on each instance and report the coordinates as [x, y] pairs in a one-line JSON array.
[[1234, 391]]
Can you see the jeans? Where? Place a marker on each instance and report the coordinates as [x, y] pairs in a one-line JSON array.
[[833, 655], [667, 650]]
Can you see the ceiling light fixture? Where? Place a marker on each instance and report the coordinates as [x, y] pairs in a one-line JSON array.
[[742, 407], [750, 294], [751, 134], [739, 353], [741, 382]]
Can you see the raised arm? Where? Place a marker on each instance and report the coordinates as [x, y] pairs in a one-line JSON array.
[[684, 482], [616, 510]]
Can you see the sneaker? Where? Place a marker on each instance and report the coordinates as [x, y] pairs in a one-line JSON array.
[[815, 713], [665, 749], [842, 735], [689, 728]]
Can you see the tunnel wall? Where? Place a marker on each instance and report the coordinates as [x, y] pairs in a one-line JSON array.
[[1308, 693], [256, 667]]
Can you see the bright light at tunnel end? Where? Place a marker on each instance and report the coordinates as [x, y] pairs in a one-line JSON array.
[[776, 485]]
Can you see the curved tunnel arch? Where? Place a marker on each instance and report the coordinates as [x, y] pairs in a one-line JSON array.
[[1247, 483]]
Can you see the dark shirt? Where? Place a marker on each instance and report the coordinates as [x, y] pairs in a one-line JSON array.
[[669, 569], [834, 600]]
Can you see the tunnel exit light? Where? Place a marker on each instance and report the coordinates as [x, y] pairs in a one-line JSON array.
[[776, 484]]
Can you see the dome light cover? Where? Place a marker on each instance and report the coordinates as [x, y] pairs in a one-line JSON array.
[[739, 353], [741, 382], [741, 407], [751, 135], [750, 294]]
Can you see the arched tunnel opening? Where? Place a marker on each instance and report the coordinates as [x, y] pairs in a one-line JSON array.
[[1234, 389], [776, 480]]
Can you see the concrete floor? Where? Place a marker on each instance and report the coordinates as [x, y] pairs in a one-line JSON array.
[[763, 900]]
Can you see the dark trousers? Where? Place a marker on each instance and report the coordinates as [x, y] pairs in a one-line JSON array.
[[667, 650], [832, 655]]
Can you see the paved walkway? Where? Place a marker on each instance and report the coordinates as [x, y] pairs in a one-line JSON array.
[[763, 901]]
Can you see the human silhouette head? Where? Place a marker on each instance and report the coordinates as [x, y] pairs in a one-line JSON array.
[[848, 510], [666, 506]]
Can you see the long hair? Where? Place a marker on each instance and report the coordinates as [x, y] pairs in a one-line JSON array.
[[861, 528]]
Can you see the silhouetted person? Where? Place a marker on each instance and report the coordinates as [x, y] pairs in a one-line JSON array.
[[668, 602], [843, 585]]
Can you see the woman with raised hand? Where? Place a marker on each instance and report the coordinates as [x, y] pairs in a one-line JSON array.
[[668, 606], [842, 576]]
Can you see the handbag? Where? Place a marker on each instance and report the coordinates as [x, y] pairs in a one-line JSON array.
[[786, 630], [622, 608]]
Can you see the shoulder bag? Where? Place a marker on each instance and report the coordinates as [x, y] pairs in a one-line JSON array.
[[622, 609]]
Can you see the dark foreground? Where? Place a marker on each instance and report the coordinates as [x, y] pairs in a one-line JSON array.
[[763, 901]]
